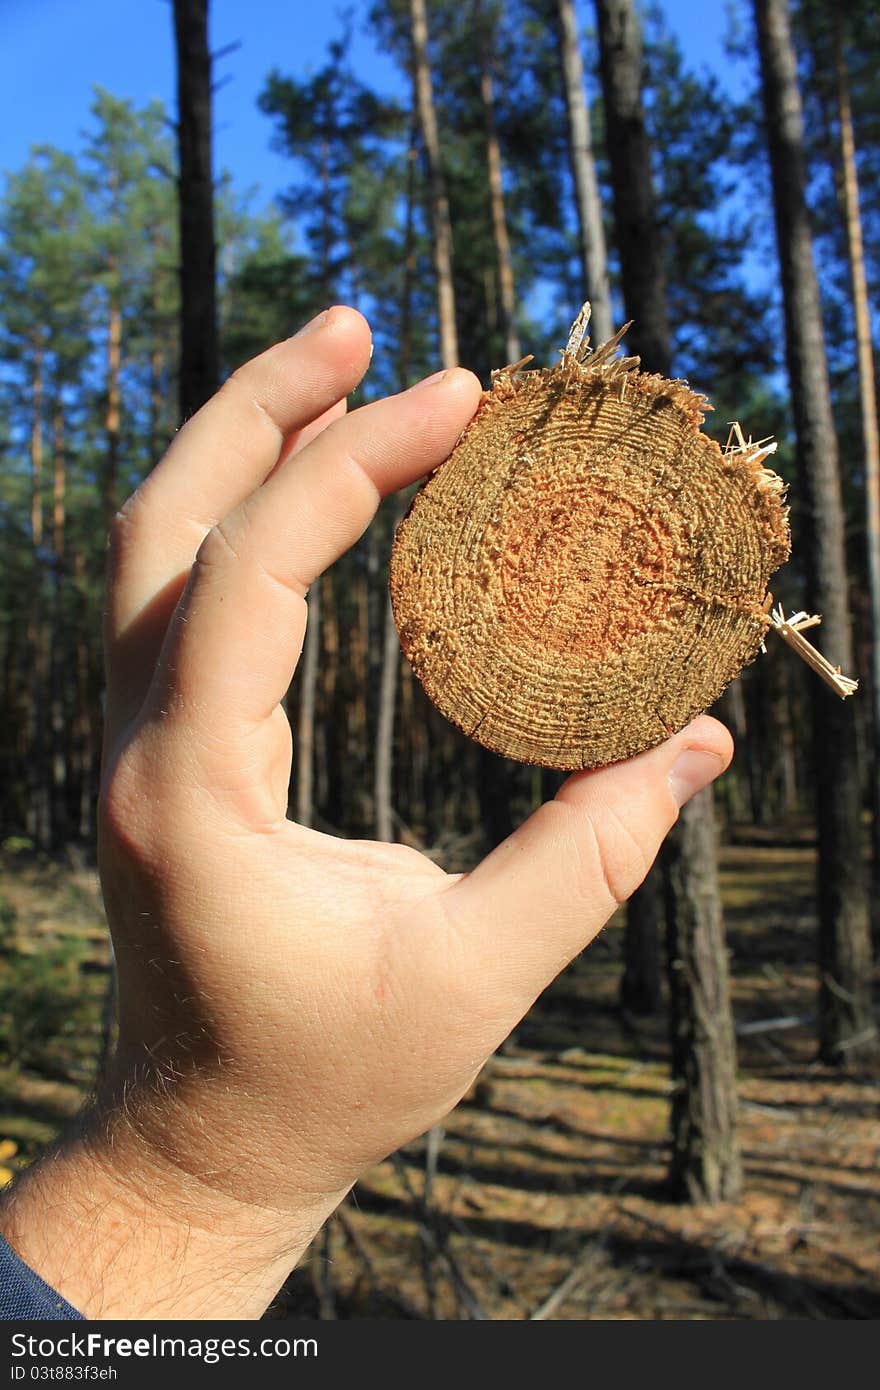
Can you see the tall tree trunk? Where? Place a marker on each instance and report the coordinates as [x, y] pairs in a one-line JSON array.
[[595, 284], [60, 646], [846, 1024], [309, 661], [495, 783], [359, 756], [305, 731], [37, 386], [641, 984], [636, 230], [504, 262], [495, 787], [868, 407], [86, 731], [38, 819], [413, 760], [335, 777], [439, 203], [154, 445], [112, 418], [644, 292], [731, 710], [164, 345], [199, 351], [441, 237], [12, 754], [704, 1163], [770, 763], [383, 766], [383, 780]]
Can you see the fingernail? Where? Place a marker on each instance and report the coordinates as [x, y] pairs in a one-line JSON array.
[[313, 324], [429, 380], [692, 770]]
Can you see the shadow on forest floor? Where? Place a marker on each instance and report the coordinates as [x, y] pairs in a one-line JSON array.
[[549, 1193]]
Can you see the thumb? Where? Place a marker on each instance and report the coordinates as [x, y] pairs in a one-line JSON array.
[[545, 892]]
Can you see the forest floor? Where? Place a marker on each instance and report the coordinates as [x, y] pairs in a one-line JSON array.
[[547, 1194]]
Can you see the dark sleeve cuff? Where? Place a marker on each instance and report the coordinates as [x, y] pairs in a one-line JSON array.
[[23, 1294]]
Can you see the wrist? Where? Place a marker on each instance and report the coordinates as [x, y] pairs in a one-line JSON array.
[[122, 1229]]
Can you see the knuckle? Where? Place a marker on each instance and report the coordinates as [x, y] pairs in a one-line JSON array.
[[238, 390], [603, 852], [125, 819], [221, 547], [124, 525], [622, 859]]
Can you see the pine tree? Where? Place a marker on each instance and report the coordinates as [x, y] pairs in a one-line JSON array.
[[438, 200], [44, 267], [485, 23], [867, 399], [846, 1022], [127, 179], [199, 352], [596, 285]]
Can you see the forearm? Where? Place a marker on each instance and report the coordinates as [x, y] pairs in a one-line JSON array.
[[121, 1233]]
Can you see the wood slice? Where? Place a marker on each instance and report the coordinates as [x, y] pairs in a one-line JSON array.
[[587, 571]]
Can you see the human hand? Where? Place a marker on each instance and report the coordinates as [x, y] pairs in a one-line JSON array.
[[293, 1006]]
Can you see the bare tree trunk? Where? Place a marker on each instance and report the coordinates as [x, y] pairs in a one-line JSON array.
[[156, 403], [87, 738], [495, 786], [868, 407], [112, 419], [161, 412], [704, 1074], [644, 293], [384, 763], [309, 661], [59, 484], [305, 730], [12, 754], [59, 640], [37, 449], [636, 230], [323, 740], [383, 767], [199, 352], [413, 757], [769, 743], [596, 285], [503, 257], [731, 710], [334, 774], [439, 203], [705, 1165], [641, 990], [38, 819], [358, 758], [846, 1024]]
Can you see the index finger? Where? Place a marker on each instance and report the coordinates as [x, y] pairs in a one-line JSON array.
[[222, 455]]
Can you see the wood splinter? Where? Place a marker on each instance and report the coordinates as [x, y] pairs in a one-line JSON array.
[[790, 630]]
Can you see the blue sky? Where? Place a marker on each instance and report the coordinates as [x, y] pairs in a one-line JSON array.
[[55, 51]]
